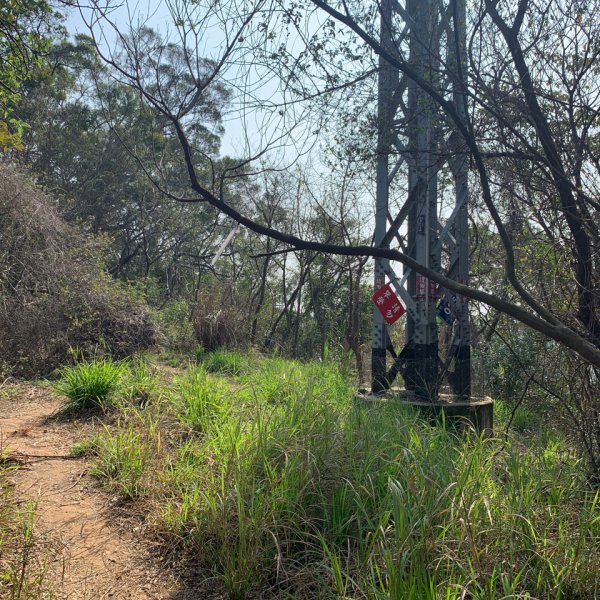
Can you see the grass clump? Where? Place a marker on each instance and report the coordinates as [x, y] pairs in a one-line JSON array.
[[139, 384], [125, 455], [84, 448], [199, 399], [226, 362], [90, 384]]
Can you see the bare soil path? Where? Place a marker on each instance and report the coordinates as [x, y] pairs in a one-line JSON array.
[[91, 553]]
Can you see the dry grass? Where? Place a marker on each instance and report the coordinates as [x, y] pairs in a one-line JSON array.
[[22, 566]]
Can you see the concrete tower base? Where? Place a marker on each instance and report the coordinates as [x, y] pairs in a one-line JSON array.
[[476, 412]]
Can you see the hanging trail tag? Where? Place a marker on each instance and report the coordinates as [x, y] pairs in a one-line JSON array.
[[445, 312], [388, 304]]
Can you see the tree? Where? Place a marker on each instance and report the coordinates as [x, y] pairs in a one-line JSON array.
[[101, 182], [26, 27]]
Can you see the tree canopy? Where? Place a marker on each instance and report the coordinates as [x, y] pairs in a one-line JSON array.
[[26, 28]]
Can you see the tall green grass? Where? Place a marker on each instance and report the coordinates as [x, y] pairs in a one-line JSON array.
[[227, 362], [287, 488], [139, 383], [103, 382], [126, 455], [200, 399]]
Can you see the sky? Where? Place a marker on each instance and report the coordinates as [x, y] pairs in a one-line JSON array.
[[152, 13], [248, 129], [289, 134]]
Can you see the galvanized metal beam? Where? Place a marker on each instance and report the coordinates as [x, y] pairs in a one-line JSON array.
[[432, 33], [388, 82]]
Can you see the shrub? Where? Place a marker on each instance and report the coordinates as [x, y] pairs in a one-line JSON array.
[[216, 320], [54, 292], [176, 328]]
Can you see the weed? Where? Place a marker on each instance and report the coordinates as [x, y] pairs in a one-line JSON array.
[[8, 391], [84, 448], [22, 569]]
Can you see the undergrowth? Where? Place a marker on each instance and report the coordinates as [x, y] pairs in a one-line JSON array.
[[279, 485]]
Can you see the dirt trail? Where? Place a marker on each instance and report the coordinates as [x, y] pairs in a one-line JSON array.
[[90, 553]]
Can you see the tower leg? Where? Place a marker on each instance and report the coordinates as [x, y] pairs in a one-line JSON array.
[[379, 381]]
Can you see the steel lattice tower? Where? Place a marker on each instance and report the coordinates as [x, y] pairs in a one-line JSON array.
[[416, 140]]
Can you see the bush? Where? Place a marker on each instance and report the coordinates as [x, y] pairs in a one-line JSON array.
[[54, 292], [177, 331]]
